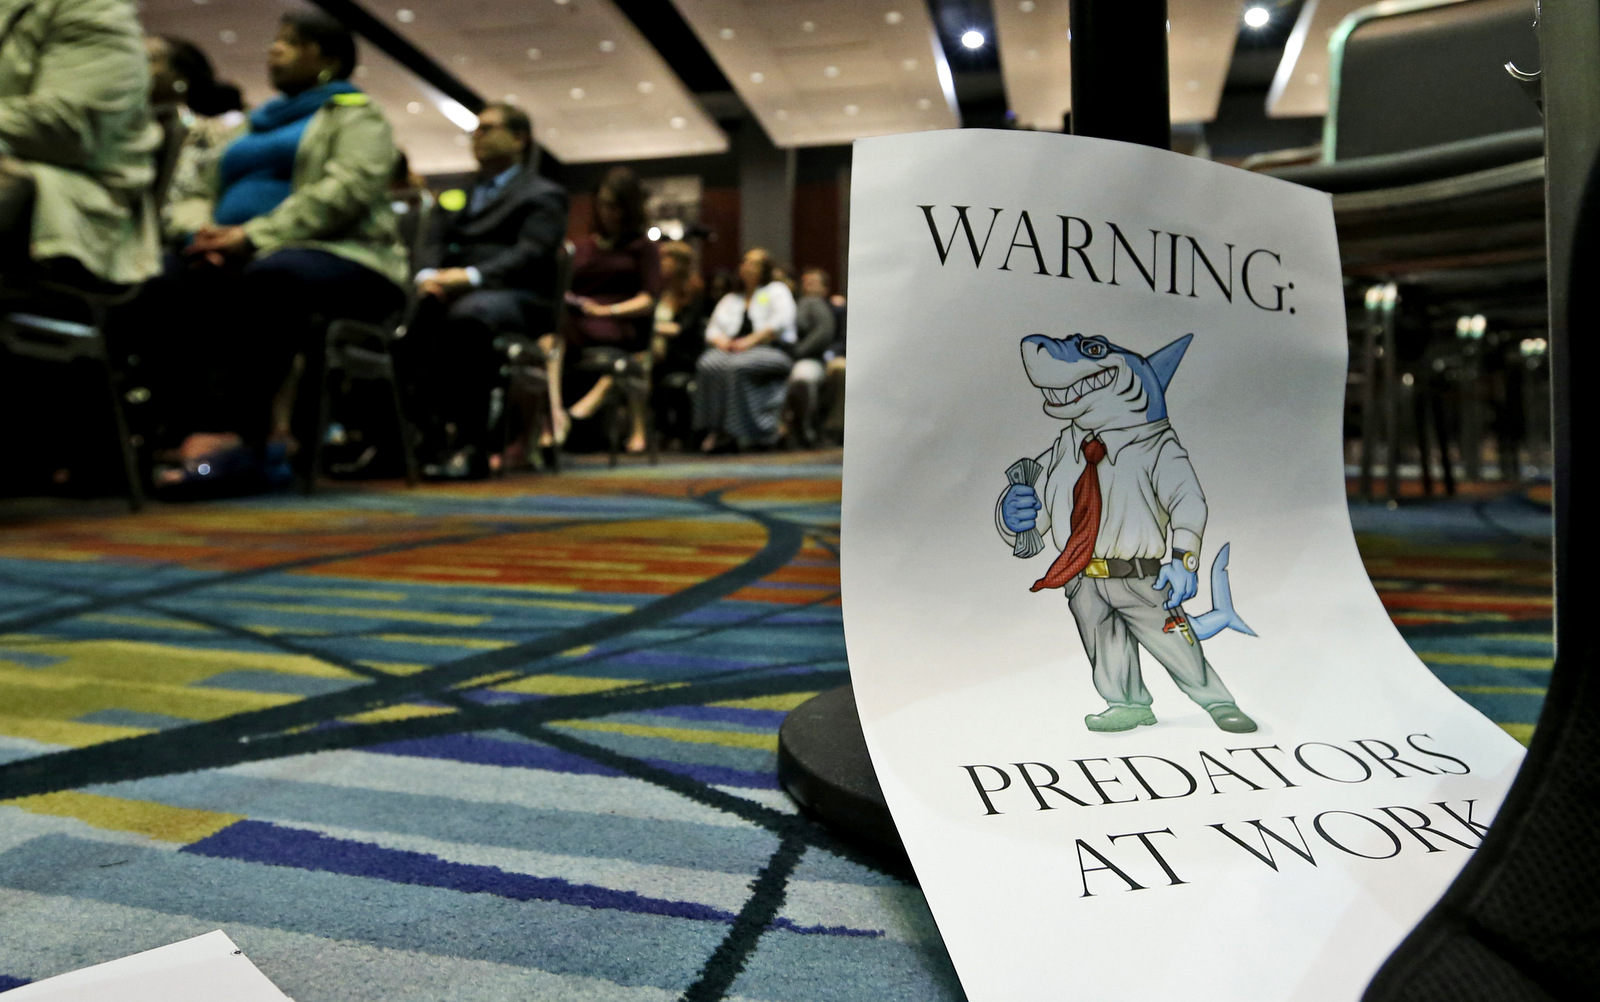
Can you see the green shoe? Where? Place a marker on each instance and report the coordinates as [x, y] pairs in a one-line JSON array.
[[1230, 718], [1121, 718]]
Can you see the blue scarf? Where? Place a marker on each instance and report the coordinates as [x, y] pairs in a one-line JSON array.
[[257, 171]]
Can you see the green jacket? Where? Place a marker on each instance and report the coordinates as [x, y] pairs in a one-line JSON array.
[[74, 111], [340, 201]]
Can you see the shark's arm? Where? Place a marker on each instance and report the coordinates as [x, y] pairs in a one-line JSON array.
[[1178, 491]]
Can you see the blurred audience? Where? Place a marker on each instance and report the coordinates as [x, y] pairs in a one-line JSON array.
[[293, 224], [680, 338], [815, 329], [487, 268], [198, 114], [616, 277], [740, 380], [77, 144]]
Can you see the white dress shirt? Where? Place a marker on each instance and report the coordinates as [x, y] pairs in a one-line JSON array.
[[771, 308], [1147, 485]]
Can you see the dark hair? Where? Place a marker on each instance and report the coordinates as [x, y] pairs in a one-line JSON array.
[[333, 38], [767, 264], [818, 271], [517, 123], [625, 188], [203, 92], [402, 169]]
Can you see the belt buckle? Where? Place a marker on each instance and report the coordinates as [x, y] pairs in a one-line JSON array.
[[1097, 568]]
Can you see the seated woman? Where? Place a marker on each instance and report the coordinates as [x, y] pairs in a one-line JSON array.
[[741, 380], [680, 338], [616, 276], [296, 226]]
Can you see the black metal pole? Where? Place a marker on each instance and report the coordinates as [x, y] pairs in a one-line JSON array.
[[1119, 71], [1119, 91]]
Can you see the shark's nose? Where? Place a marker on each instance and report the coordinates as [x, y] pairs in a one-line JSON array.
[[1054, 347], [1039, 342]]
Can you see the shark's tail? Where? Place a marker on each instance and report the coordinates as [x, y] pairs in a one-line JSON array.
[[1222, 615]]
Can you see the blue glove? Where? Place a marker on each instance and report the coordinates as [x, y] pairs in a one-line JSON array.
[[1019, 507], [1185, 584]]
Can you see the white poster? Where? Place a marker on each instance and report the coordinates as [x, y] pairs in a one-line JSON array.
[[1145, 728]]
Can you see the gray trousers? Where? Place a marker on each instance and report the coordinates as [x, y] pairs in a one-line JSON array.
[[1117, 616], [741, 394]]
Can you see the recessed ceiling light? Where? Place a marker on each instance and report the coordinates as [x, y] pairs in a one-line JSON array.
[[361, 72], [562, 3], [415, 107], [646, 86], [607, 45], [1033, 53], [973, 39], [808, 26], [1026, 6], [1192, 85], [892, 17], [851, 109], [830, 71], [1313, 78], [924, 104], [726, 34], [228, 37], [405, 16], [463, 60], [552, 133], [678, 122], [1257, 17], [757, 77], [510, 99], [908, 64], [461, 139], [576, 93], [535, 53], [783, 113]]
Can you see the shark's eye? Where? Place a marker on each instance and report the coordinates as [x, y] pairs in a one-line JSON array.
[[1093, 349]]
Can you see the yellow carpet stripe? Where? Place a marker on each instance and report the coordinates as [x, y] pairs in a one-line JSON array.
[[474, 643], [156, 622], [564, 685], [150, 661], [404, 711], [1485, 660], [396, 667], [1522, 732], [730, 739], [56, 695], [394, 615], [1539, 639], [1501, 690], [157, 821], [785, 702], [69, 733]]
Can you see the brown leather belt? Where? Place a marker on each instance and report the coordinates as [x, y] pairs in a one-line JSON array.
[[1112, 567]]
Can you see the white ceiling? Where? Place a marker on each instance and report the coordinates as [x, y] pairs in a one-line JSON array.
[[1036, 57], [817, 72], [596, 89]]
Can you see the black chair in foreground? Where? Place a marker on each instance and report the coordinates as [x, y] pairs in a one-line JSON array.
[[360, 352]]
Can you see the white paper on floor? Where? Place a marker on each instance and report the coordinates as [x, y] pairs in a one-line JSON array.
[[203, 969], [1176, 858]]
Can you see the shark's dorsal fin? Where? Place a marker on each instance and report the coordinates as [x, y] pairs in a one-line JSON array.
[[1165, 361]]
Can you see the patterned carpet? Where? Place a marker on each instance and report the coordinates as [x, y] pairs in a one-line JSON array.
[[514, 740]]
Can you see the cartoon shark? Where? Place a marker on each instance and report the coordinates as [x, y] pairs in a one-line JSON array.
[[1116, 485]]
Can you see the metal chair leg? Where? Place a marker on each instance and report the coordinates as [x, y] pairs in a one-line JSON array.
[[407, 446], [130, 458], [324, 409]]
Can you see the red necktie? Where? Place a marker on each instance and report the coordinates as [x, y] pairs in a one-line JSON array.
[[1085, 521]]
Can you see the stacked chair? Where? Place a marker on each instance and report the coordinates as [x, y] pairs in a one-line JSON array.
[[1434, 155]]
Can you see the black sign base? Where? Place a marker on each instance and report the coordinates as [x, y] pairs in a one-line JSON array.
[[823, 763]]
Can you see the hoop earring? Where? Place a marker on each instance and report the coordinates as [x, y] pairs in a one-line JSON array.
[[180, 86], [325, 76]]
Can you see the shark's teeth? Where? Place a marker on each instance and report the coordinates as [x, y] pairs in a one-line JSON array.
[[1061, 396]]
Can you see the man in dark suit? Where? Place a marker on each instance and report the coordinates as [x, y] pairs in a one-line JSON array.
[[487, 266]]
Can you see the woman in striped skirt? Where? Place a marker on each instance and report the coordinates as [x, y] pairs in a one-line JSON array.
[[741, 379]]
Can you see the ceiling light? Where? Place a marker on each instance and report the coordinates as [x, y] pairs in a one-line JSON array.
[[646, 86], [458, 114], [851, 109], [908, 64], [830, 71], [808, 26], [726, 34], [892, 17], [607, 45], [973, 39], [576, 93], [415, 107], [654, 233], [924, 104], [1033, 53], [534, 53], [782, 113], [229, 37], [1257, 17], [405, 16], [1026, 6], [757, 77], [678, 122]]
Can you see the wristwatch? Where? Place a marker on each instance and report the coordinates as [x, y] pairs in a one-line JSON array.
[[1188, 558]]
